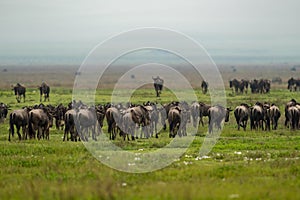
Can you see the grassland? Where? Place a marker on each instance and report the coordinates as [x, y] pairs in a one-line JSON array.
[[242, 165]]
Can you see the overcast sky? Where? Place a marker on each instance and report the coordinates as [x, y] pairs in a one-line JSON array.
[[223, 27]]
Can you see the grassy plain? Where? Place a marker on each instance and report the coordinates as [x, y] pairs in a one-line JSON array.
[[242, 165]]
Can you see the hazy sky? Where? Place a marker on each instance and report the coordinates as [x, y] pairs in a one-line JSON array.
[[224, 27]]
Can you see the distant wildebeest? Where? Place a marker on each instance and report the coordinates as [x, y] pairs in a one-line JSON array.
[[3, 112], [158, 85], [204, 87], [260, 86], [274, 116], [44, 91], [293, 84], [40, 120], [216, 115], [164, 111], [241, 114], [19, 118], [239, 86], [19, 92]]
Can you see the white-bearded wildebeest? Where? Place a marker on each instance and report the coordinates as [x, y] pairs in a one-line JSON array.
[[158, 85], [59, 112], [127, 125], [241, 114], [257, 116], [141, 117], [203, 111], [44, 91], [18, 118], [293, 115], [3, 112], [40, 120], [19, 92], [216, 115], [70, 127], [195, 112], [204, 87], [274, 116], [86, 121], [113, 117], [154, 116], [291, 103]]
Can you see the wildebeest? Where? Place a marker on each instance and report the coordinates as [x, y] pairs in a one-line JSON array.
[[239, 86], [18, 118], [178, 118], [241, 114], [260, 86], [293, 84], [113, 117], [204, 87], [44, 90], [19, 92], [274, 116], [291, 103], [257, 116], [127, 125], [293, 115], [3, 112], [141, 117], [70, 127], [86, 121], [216, 114], [203, 111], [195, 112], [40, 120], [158, 85], [59, 112], [154, 116]]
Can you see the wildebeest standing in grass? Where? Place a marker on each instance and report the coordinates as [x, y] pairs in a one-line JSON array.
[[195, 111], [141, 117], [59, 112], [19, 92], [113, 117], [19, 118], [127, 125], [3, 112], [86, 122], [40, 120], [256, 116], [44, 91], [154, 116], [293, 115], [291, 103], [274, 115], [204, 87], [241, 114], [203, 111], [70, 127], [158, 85], [216, 115]]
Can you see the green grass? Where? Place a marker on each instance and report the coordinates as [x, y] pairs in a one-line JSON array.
[[243, 164]]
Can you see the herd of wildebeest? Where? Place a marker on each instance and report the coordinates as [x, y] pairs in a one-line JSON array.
[[80, 121]]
